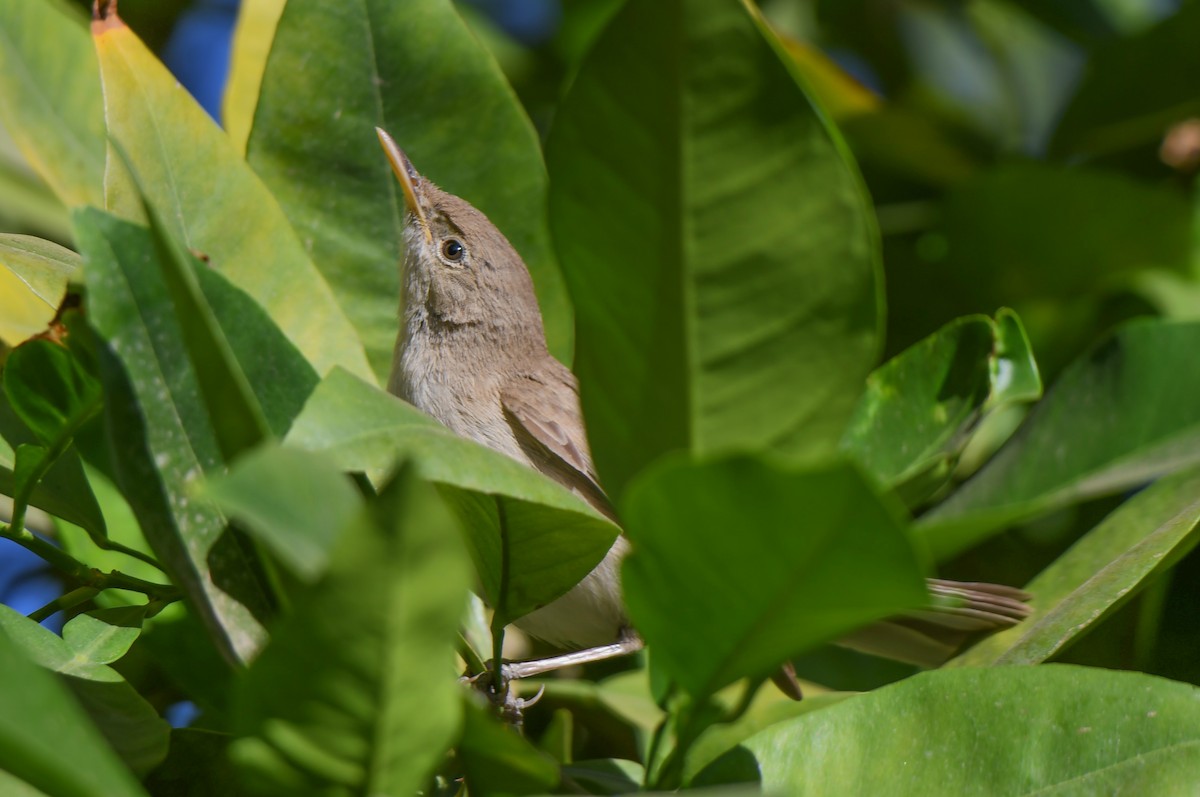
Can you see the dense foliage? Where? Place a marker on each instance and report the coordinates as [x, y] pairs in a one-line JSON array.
[[193, 435]]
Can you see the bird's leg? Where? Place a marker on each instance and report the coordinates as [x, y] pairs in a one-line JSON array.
[[629, 643]]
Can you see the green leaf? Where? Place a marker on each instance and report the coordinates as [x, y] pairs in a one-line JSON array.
[[63, 492], [50, 100], [377, 709], [554, 537], [33, 281], [294, 501], [497, 761], [414, 69], [153, 406], [127, 721], [1122, 415], [1050, 730], [50, 391], [196, 766], [920, 407], [1103, 570], [213, 201], [252, 38], [223, 386], [721, 302], [104, 635], [1115, 107], [739, 564], [40, 722]]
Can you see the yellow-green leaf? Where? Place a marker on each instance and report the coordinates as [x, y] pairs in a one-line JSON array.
[[211, 199]]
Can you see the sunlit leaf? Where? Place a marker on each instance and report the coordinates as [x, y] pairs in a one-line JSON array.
[[212, 200], [33, 281]]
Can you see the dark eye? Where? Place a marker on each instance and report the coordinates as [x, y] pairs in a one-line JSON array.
[[452, 250]]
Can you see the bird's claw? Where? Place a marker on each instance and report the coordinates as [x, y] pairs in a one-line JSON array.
[[510, 707]]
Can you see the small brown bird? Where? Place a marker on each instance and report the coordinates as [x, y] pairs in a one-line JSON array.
[[472, 353]]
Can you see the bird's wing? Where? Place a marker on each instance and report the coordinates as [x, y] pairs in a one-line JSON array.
[[543, 408]]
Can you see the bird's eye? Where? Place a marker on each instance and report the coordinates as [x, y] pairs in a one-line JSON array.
[[452, 250]]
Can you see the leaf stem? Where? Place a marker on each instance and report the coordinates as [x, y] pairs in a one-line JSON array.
[[83, 574], [68, 601]]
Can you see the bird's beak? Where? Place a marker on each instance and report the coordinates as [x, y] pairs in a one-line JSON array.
[[407, 176]]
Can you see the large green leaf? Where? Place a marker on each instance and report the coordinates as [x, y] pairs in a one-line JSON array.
[[1116, 107], [154, 406], [33, 281], [1106, 568], [47, 741], [212, 200], [50, 98], [497, 761], [379, 706], [552, 538], [127, 721], [739, 564], [1050, 730], [920, 407], [717, 241], [1122, 415], [414, 69]]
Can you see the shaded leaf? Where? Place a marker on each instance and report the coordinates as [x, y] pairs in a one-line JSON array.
[[721, 302], [497, 761], [63, 492], [39, 720], [739, 564], [1107, 567], [50, 391], [292, 500], [1120, 416], [213, 201], [414, 69], [377, 709], [554, 537], [1081, 731], [50, 100], [920, 407], [127, 721], [33, 281], [196, 766], [153, 405], [1115, 107]]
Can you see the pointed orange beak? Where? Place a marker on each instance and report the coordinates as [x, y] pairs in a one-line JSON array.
[[407, 176]]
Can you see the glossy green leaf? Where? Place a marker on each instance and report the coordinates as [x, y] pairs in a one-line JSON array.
[[1050, 730], [33, 281], [50, 391], [50, 100], [920, 407], [377, 709], [154, 406], [554, 537], [739, 564], [1120, 416], [104, 635], [292, 500], [64, 490], [722, 302], [415, 70], [213, 201], [1115, 108], [224, 388], [127, 721], [497, 761], [252, 37], [1107, 567], [40, 722]]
